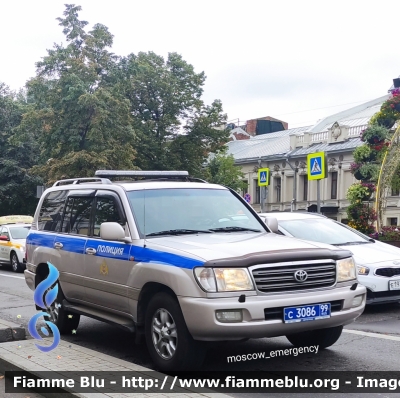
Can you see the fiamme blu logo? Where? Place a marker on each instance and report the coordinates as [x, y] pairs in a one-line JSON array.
[[45, 294]]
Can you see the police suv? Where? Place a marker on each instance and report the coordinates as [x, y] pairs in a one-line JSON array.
[[183, 262]]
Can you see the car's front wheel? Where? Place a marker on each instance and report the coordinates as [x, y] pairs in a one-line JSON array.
[[168, 340], [323, 338]]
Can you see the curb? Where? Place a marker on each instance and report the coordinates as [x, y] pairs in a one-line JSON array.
[[11, 332], [68, 357]]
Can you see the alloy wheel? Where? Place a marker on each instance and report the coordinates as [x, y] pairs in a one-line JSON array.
[[164, 334]]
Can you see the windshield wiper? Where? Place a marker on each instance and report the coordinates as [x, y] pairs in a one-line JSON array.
[[179, 232], [350, 243], [233, 229]]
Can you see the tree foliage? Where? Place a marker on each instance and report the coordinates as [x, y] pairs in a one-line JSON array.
[[87, 109], [175, 129], [82, 121], [221, 169], [17, 185]]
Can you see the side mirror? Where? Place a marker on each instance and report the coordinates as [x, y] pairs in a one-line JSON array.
[[272, 224], [5, 238], [112, 231]]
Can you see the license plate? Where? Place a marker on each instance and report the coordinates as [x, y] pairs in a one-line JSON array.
[[394, 285], [307, 313]]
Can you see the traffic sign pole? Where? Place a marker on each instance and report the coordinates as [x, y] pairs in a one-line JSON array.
[[316, 171]]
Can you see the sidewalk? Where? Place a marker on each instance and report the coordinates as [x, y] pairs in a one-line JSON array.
[[23, 355]]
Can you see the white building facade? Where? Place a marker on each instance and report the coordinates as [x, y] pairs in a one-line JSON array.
[[285, 154]]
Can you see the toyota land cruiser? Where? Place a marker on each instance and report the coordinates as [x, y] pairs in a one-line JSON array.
[[182, 262]]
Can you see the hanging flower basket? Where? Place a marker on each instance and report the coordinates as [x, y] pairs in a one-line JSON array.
[[375, 140], [388, 123], [362, 176]]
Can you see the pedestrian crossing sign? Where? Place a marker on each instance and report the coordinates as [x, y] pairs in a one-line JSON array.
[[316, 166], [263, 177]]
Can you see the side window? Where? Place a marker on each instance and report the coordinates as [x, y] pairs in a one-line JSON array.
[[106, 211], [51, 211], [4, 232], [77, 215]]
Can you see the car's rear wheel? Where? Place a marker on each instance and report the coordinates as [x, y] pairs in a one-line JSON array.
[[323, 338], [14, 262], [169, 342], [65, 321]]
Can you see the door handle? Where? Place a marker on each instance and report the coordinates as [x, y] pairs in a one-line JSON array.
[[90, 250], [58, 245]]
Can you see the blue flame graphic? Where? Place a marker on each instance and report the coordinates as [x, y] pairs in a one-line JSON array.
[[43, 291], [33, 332], [44, 286]]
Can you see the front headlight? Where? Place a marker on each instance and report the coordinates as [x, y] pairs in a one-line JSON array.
[[224, 279], [346, 269], [362, 270]]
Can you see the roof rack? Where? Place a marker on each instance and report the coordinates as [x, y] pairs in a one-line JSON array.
[[141, 174], [75, 181]]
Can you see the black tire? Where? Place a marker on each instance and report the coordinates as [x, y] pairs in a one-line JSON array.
[[176, 349], [322, 337], [65, 321], [15, 264]]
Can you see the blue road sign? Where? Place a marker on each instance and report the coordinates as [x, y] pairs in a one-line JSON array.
[[247, 197], [316, 166]]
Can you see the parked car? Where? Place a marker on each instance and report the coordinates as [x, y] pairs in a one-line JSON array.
[[13, 232], [181, 261], [378, 263]]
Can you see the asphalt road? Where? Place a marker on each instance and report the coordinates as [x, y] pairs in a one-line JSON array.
[[353, 352]]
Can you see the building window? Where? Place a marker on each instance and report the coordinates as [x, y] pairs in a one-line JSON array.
[[305, 187], [392, 221], [334, 176], [278, 189], [256, 198], [395, 191]]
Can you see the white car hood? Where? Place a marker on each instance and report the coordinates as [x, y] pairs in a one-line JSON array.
[[373, 253], [228, 245]]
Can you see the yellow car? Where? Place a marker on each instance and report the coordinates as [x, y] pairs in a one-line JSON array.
[[13, 232]]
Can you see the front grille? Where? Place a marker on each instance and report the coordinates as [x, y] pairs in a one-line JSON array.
[[388, 272], [272, 314], [281, 278]]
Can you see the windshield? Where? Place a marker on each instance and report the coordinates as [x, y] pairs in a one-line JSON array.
[[19, 232], [322, 230], [183, 209]]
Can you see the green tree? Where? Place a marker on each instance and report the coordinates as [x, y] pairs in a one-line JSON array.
[[17, 186], [221, 169], [81, 121], [175, 129]]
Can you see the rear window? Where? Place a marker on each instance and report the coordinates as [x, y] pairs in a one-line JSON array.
[[19, 232], [51, 211]]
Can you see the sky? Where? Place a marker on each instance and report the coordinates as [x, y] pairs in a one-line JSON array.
[[296, 60]]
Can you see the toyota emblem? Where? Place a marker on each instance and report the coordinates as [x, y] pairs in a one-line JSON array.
[[300, 275]]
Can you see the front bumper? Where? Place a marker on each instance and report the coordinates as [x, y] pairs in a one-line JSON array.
[[378, 288], [30, 279], [199, 314]]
